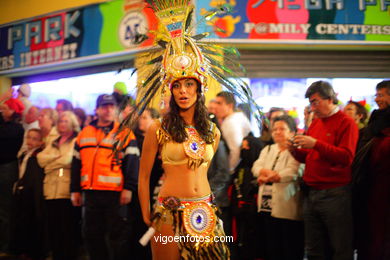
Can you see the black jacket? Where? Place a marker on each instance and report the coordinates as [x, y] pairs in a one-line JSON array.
[[11, 139]]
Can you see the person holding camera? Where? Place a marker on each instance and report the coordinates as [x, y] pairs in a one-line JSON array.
[[327, 149]]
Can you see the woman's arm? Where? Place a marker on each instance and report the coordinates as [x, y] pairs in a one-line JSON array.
[[217, 137], [48, 155], [149, 151], [66, 154], [290, 171], [258, 165]]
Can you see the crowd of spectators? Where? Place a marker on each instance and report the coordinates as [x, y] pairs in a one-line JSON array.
[[322, 192]]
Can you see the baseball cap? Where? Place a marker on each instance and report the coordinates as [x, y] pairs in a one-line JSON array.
[[105, 99], [25, 89]]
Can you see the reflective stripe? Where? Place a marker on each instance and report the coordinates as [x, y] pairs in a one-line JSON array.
[[84, 178], [132, 150], [110, 179], [88, 140], [107, 141], [76, 154]]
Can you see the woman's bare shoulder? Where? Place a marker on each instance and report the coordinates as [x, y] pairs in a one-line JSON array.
[[158, 132]]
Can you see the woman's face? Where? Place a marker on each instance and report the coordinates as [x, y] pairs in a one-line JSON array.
[[351, 110], [280, 132], [145, 120], [44, 120], [64, 125], [184, 92]]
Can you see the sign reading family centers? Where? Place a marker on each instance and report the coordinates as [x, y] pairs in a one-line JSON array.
[[339, 20], [112, 27]]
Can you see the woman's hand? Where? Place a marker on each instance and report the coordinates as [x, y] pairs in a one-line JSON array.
[[267, 175], [275, 177], [265, 172], [76, 199], [147, 221], [262, 179]]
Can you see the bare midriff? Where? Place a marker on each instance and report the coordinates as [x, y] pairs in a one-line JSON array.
[[182, 182]]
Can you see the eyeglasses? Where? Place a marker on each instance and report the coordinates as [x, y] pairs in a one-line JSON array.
[[315, 102]]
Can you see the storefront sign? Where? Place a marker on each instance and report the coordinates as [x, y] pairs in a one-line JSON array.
[[93, 30], [285, 20], [114, 27]]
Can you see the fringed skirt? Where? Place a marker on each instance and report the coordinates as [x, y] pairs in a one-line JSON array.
[[198, 230]]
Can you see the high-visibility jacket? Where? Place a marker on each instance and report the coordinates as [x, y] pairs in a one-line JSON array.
[[99, 168]]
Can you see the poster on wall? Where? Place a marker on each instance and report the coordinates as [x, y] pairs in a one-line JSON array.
[[300, 20], [93, 30]]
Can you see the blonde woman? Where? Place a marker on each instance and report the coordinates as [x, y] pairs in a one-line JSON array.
[[56, 160], [47, 120]]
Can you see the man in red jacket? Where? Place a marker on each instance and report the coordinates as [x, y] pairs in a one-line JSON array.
[[327, 150]]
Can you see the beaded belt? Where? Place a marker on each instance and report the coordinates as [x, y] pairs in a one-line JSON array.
[[174, 203], [198, 216]]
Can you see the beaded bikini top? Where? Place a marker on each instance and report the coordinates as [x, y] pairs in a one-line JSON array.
[[194, 151]]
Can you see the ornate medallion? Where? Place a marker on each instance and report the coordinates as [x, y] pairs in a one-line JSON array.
[[194, 146], [199, 219], [182, 62]]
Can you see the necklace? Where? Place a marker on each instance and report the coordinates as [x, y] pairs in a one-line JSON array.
[[194, 146]]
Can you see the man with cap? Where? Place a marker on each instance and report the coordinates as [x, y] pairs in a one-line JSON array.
[[106, 181]]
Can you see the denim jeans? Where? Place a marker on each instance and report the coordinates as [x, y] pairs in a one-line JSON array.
[[328, 224]]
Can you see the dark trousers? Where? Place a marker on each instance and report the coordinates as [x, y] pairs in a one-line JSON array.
[[226, 217], [246, 218], [136, 228], [62, 227], [279, 239], [103, 227], [8, 176], [328, 223], [29, 233]]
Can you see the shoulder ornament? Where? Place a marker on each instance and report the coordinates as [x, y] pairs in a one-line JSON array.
[[161, 133]]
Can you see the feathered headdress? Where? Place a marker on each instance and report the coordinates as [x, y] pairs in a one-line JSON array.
[[179, 54]]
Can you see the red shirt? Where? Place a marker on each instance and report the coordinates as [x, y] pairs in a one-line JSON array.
[[328, 164]]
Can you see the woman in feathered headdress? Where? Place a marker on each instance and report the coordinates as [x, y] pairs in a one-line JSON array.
[[185, 137]]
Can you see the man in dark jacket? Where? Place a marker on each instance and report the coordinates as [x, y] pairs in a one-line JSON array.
[[244, 202], [371, 182], [11, 139]]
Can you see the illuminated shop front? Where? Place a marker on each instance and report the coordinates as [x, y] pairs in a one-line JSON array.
[[284, 46]]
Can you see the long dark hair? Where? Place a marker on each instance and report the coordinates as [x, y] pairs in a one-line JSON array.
[[174, 124]]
